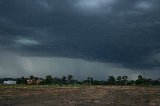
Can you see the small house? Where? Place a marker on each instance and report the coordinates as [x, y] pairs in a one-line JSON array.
[[10, 82], [34, 81]]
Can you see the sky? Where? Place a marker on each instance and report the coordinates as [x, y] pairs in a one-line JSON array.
[[85, 38]]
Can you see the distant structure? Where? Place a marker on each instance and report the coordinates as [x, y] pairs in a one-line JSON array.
[[10, 82], [34, 81]]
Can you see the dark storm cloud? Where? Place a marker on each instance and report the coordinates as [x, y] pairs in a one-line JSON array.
[[116, 31]]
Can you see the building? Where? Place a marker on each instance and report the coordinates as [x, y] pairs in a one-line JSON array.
[[10, 82], [34, 81]]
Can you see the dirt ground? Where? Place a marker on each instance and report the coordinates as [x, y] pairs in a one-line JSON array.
[[80, 96]]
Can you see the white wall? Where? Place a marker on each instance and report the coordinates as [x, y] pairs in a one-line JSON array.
[[9, 82]]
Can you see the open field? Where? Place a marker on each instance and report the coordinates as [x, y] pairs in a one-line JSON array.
[[79, 96]]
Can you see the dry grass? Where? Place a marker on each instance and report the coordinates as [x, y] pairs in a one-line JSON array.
[[79, 96]]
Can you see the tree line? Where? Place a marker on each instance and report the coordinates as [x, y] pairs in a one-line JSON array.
[[68, 80]]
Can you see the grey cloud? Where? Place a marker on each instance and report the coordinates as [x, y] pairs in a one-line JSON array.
[[124, 32]]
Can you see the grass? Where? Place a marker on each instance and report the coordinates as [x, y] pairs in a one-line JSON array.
[[38, 86], [78, 95]]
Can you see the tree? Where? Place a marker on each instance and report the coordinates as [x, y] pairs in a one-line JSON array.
[[140, 77], [36, 78], [57, 80], [70, 79], [119, 79], [24, 81], [31, 77], [21, 80], [64, 79], [131, 82], [89, 80], [111, 80], [140, 80], [124, 79], [48, 79]]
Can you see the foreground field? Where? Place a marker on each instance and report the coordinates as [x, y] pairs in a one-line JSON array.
[[79, 96]]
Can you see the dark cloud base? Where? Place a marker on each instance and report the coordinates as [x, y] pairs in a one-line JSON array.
[[124, 32]]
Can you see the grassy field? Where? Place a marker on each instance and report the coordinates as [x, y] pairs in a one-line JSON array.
[[77, 95]]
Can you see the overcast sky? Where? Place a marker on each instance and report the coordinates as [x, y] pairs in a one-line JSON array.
[[84, 38]]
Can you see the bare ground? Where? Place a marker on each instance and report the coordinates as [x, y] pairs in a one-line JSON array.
[[80, 96]]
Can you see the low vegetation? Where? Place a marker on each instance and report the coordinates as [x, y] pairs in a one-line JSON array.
[[69, 80]]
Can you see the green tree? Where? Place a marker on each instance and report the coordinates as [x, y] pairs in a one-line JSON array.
[[89, 80], [119, 80], [70, 79], [140, 80], [124, 80], [48, 79], [64, 79], [140, 77], [31, 77], [24, 81], [111, 80], [36, 78]]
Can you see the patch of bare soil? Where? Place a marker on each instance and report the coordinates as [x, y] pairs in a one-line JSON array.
[[81, 96]]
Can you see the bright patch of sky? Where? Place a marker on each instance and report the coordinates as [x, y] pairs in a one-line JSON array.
[[144, 5], [24, 41], [93, 5]]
